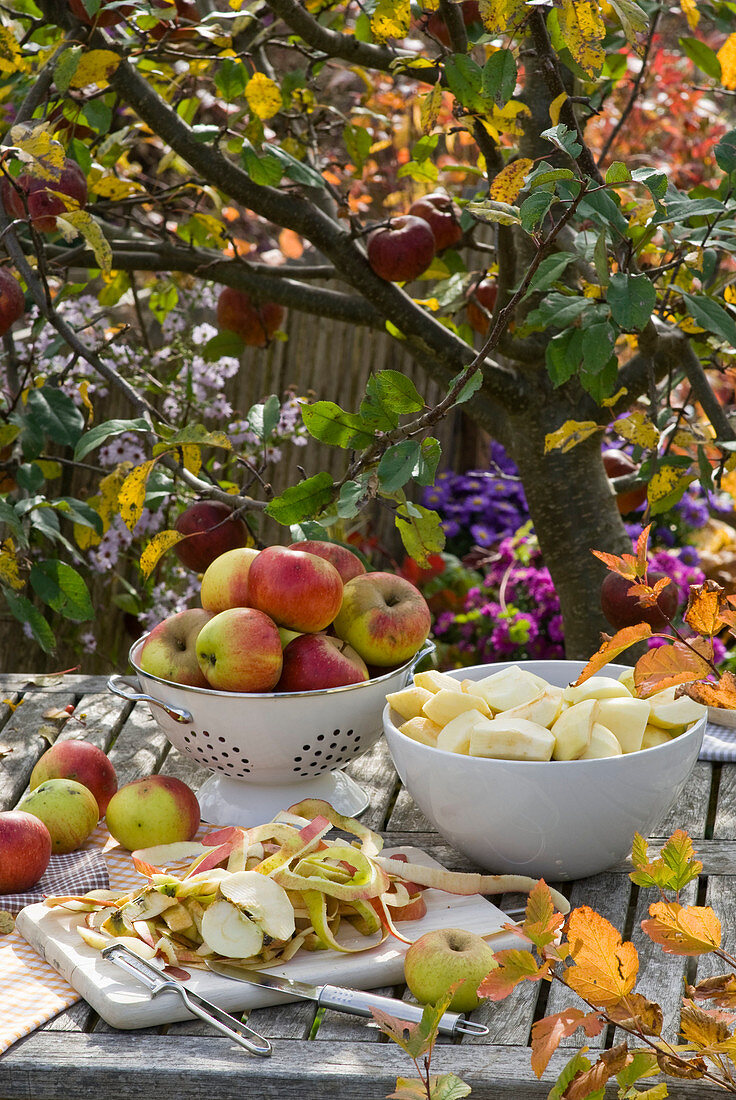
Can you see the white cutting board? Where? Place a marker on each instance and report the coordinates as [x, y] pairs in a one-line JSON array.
[[124, 1003]]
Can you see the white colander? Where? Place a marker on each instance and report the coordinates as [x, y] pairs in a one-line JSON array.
[[269, 750]]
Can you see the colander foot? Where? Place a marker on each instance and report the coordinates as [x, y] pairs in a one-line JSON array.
[[225, 801]]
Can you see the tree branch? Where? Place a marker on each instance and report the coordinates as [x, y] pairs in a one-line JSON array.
[[634, 91]]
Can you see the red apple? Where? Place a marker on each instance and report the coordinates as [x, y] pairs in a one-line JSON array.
[[437, 27], [345, 561], [225, 582], [44, 197], [210, 529], [384, 618], [240, 650], [617, 464], [441, 215], [485, 293], [315, 661], [159, 809], [25, 850], [622, 609], [180, 28], [169, 651], [254, 322], [12, 300], [103, 17], [300, 591], [68, 810], [402, 250], [81, 761]]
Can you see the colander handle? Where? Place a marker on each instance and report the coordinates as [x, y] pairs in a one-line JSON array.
[[427, 648], [118, 685]]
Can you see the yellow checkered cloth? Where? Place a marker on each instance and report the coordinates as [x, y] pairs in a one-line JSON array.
[[31, 991]]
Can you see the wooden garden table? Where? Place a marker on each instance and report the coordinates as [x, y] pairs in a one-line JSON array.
[[76, 1055]]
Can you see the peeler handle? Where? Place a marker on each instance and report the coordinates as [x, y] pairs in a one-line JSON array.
[[219, 1019], [118, 685], [360, 1003]]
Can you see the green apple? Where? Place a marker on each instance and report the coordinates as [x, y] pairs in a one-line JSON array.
[[156, 810], [440, 958], [383, 617], [68, 810]]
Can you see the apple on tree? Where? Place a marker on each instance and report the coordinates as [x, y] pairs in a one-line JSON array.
[[384, 618], [46, 199], [240, 650], [442, 217], [436, 26], [25, 850], [401, 250], [439, 959], [300, 591], [623, 609], [225, 582], [158, 809], [12, 300], [254, 322], [68, 810], [616, 464], [81, 761], [209, 528], [106, 15], [344, 560], [169, 651], [480, 306], [317, 661]]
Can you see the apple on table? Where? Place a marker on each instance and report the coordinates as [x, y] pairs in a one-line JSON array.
[[345, 561], [169, 651], [81, 761], [439, 959], [68, 810], [240, 650], [225, 582], [319, 661], [25, 850], [158, 809]]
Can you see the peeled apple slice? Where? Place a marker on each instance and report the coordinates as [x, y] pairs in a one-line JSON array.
[[597, 687], [455, 737], [572, 730], [544, 709], [436, 681], [668, 713], [653, 736], [627, 679], [263, 900], [602, 743], [421, 729], [514, 739], [445, 705], [409, 701], [510, 687], [626, 719], [469, 688], [227, 931]]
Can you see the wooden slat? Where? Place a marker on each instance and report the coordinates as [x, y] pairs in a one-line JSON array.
[[20, 735]]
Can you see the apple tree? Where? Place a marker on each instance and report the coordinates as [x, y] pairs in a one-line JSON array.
[[211, 136]]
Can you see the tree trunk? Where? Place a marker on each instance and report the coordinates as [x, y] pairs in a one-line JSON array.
[[574, 512]]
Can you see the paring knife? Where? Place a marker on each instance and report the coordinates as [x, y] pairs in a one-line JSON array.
[[357, 1002]]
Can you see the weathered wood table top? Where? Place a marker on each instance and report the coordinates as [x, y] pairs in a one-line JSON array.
[[76, 1055]]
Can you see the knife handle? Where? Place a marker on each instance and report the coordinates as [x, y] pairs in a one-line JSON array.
[[357, 1002]]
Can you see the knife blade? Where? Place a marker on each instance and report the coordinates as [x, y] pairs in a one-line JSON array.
[[356, 1002]]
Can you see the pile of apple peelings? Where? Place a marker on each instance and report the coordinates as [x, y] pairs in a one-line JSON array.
[[259, 895]]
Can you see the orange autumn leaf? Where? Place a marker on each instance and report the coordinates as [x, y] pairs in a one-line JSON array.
[[513, 967], [701, 1027], [638, 1013], [719, 694], [593, 1080], [612, 646], [704, 608], [547, 1034], [541, 922], [605, 967], [683, 929], [291, 244], [630, 567], [666, 666], [720, 989]]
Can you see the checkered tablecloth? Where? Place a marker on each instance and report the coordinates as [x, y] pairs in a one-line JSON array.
[[719, 744]]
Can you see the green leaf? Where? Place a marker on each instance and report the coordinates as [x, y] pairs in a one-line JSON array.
[[564, 139], [389, 395], [79, 512], [563, 356], [711, 316], [263, 418], [302, 501], [66, 66], [601, 384], [577, 1064], [702, 56], [472, 385], [329, 423], [598, 343], [549, 271], [225, 344], [421, 532], [9, 517], [266, 171], [102, 432], [24, 611], [62, 588], [350, 495], [295, 169], [633, 20], [489, 211], [397, 465], [655, 181], [543, 179], [499, 77], [725, 152], [705, 469], [196, 434], [231, 78], [430, 453], [56, 414], [632, 299], [600, 259], [534, 208], [447, 1087], [617, 173], [465, 79], [559, 310], [358, 142]]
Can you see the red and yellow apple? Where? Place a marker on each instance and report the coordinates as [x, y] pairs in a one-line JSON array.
[[314, 662], [210, 529], [300, 591], [439, 959], [84, 763], [442, 217], [345, 561], [169, 651], [383, 617], [25, 850], [46, 199], [480, 306], [225, 582], [158, 809], [68, 810], [254, 322], [401, 250], [240, 650]]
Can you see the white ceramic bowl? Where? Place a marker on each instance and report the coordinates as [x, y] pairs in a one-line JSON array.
[[558, 819], [269, 750]]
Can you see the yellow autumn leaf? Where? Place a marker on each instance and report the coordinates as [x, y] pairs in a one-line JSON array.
[[263, 96], [11, 59], [689, 9], [609, 402], [509, 181], [683, 437], [430, 108], [155, 549], [569, 435], [95, 67], [428, 303], [110, 487], [502, 16], [390, 19], [9, 568], [191, 457], [506, 120], [84, 536], [214, 227], [74, 223], [83, 390], [555, 107], [43, 157], [582, 30], [132, 494], [591, 290], [110, 187], [664, 481], [638, 429], [727, 57], [729, 293]]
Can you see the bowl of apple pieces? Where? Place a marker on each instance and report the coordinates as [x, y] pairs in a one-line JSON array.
[[526, 773]]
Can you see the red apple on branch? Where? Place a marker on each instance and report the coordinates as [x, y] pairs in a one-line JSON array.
[[45, 199], [169, 651], [617, 464], [316, 661], [12, 300], [240, 650], [300, 591], [81, 761], [210, 528], [345, 561], [401, 250], [436, 26], [480, 306], [622, 609], [254, 322], [105, 16], [442, 217], [384, 618], [25, 850]]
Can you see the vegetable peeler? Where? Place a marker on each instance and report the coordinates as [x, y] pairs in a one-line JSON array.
[[158, 982]]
